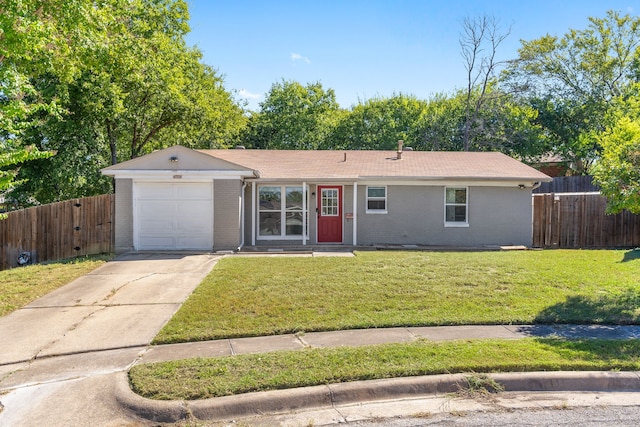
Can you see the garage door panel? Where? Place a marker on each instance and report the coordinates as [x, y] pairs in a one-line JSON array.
[[193, 208], [194, 192], [193, 228], [174, 216], [158, 226], [154, 190], [190, 242], [151, 208], [157, 242]]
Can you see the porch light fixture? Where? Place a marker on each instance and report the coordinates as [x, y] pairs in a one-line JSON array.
[[173, 159], [521, 186]]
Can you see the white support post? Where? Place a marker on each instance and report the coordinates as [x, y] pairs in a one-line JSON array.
[[355, 213], [254, 186], [304, 214]]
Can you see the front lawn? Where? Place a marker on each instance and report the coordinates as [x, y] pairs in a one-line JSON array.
[[19, 286], [274, 295], [205, 378]]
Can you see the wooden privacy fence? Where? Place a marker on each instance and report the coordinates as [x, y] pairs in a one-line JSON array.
[[58, 230], [579, 220], [569, 184]]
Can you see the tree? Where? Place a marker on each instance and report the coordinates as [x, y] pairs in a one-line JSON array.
[[379, 123], [293, 117], [479, 45], [503, 124], [34, 40], [140, 88], [617, 171], [573, 80]]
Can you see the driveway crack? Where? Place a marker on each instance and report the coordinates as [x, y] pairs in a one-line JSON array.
[[115, 290], [70, 329]]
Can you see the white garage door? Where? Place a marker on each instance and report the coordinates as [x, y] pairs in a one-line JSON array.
[[173, 216]]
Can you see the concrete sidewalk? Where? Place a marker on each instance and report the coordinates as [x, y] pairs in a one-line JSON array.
[[362, 337], [328, 397]]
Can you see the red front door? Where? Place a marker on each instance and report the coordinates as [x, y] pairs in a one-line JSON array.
[[329, 214]]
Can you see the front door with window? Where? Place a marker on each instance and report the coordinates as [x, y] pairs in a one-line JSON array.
[[329, 214]]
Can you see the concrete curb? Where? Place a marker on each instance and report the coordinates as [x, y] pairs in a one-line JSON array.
[[328, 396], [154, 410]]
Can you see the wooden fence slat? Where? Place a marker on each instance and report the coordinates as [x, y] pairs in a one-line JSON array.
[[568, 184], [49, 231], [579, 220]]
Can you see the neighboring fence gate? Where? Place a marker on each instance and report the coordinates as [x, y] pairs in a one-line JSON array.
[[579, 220], [58, 230]]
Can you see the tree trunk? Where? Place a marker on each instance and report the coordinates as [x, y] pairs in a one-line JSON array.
[[113, 146]]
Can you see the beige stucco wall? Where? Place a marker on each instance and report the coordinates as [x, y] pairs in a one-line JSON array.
[[123, 216]]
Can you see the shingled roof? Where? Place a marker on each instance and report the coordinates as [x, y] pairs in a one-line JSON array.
[[350, 165]]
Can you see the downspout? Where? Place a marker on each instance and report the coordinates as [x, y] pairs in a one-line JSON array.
[[536, 185], [244, 186]]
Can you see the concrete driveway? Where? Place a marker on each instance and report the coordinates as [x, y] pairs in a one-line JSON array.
[[54, 350]]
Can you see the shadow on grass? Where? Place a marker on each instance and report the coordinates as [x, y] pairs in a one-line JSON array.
[[614, 353], [613, 309], [631, 255]]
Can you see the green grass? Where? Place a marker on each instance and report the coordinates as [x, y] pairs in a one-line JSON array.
[[22, 285], [205, 378], [273, 295]]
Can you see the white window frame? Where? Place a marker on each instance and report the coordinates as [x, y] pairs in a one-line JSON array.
[[376, 211], [464, 223], [283, 213]]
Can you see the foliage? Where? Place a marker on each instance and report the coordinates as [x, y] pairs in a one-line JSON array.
[[34, 39], [10, 158], [128, 85], [379, 123], [264, 296], [573, 80], [438, 124], [502, 124], [293, 117], [617, 172], [203, 378]]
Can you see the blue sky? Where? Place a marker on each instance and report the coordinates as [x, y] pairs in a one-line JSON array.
[[366, 48]]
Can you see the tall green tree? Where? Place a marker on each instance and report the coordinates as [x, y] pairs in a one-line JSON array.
[[293, 117], [36, 38], [573, 79], [617, 171], [140, 88], [379, 123], [501, 124]]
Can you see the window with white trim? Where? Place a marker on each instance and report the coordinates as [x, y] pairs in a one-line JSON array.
[[376, 199], [456, 207], [278, 219]]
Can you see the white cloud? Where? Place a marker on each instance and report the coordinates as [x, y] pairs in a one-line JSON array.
[[297, 57], [246, 94]]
